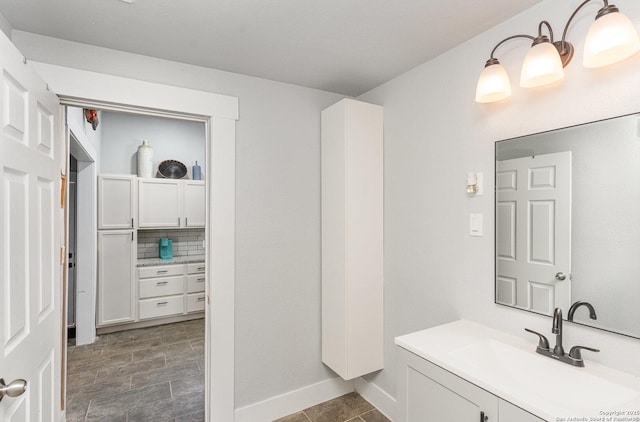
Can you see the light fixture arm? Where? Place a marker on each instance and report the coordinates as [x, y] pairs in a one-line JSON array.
[[575, 12], [548, 25], [508, 39]]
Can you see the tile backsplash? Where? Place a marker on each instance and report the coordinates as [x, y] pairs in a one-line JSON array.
[[185, 242]]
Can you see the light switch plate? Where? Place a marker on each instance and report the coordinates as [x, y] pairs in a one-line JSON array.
[[475, 225]]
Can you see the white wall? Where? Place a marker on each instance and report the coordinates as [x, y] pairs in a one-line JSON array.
[[434, 134], [171, 139], [277, 210], [89, 139]]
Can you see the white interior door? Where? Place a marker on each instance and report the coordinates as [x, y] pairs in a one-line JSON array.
[[30, 230], [533, 239]]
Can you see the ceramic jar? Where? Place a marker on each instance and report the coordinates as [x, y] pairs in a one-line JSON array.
[[145, 160]]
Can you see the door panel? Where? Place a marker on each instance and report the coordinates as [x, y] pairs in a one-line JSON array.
[[533, 241], [30, 230]]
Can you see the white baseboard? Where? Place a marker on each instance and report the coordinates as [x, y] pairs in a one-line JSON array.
[[293, 401], [377, 397]]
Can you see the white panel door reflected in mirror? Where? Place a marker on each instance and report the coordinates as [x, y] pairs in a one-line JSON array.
[[533, 232]]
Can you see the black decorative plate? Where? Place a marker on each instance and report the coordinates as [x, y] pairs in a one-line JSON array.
[[172, 169]]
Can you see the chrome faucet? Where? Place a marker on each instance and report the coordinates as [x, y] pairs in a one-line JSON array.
[[574, 357], [556, 329], [575, 306]]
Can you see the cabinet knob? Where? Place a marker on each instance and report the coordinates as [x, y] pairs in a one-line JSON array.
[[483, 417]]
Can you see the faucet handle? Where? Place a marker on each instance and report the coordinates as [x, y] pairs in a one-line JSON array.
[[575, 353], [543, 343]]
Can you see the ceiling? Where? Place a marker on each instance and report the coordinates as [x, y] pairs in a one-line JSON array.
[[341, 46]]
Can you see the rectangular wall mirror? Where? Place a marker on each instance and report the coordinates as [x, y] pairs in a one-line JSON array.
[[568, 223]]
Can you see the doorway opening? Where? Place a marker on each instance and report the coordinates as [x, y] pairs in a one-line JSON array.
[[143, 352]]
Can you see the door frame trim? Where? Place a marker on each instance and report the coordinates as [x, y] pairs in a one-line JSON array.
[[219, 113]]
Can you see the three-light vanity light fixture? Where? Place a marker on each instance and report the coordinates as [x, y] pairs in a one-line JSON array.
[[611, 38]]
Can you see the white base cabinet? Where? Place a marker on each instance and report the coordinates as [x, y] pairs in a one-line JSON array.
[[167, 290], [426, 392]]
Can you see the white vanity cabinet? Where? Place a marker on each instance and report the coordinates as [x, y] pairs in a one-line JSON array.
[[116, 201], [170, 203], [352, 248], [426, 392], [116, 277]]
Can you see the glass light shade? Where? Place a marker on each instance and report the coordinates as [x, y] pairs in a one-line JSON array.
[[542, 66], [493, 84], [611, 38]]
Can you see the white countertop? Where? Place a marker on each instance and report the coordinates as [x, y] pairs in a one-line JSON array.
[[149, 262], [550, 389]]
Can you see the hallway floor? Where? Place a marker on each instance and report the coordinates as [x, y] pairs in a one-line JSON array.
[[348, 408], [150, 374]]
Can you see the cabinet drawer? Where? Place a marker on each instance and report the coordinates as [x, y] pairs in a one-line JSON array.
[[195, 302], [159, 271], [165, 286], [158, 307], [196, 267], [195, 283]]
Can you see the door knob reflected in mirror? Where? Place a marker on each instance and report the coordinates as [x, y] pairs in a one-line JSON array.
[[561, 276], [14, 389]]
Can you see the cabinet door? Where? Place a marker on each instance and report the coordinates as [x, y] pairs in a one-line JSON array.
[[193, 204], [511, 413], [159, 203], [116, 277], [116, 201], [427, 392]]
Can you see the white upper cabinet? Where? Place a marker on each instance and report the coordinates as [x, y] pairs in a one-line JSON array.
[[169, 203], [352, 205], [159, 203], [116, 201], [193, 203]]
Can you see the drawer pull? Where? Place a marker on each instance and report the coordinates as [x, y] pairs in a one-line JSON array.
[[201, 299], [200, 268], [162, 283], [162, 271], [162, 303], [200, 280], [483, 418]]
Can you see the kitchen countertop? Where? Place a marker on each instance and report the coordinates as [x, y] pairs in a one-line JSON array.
[[149, 262]]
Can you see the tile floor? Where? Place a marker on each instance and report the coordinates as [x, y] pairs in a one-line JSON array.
[[150, 374], [348, 408]]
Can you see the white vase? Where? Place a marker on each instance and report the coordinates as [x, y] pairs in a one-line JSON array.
[[145, 160]]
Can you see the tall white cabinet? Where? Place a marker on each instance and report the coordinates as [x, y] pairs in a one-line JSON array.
[[352, 234], [117, 199], [116, 277]]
